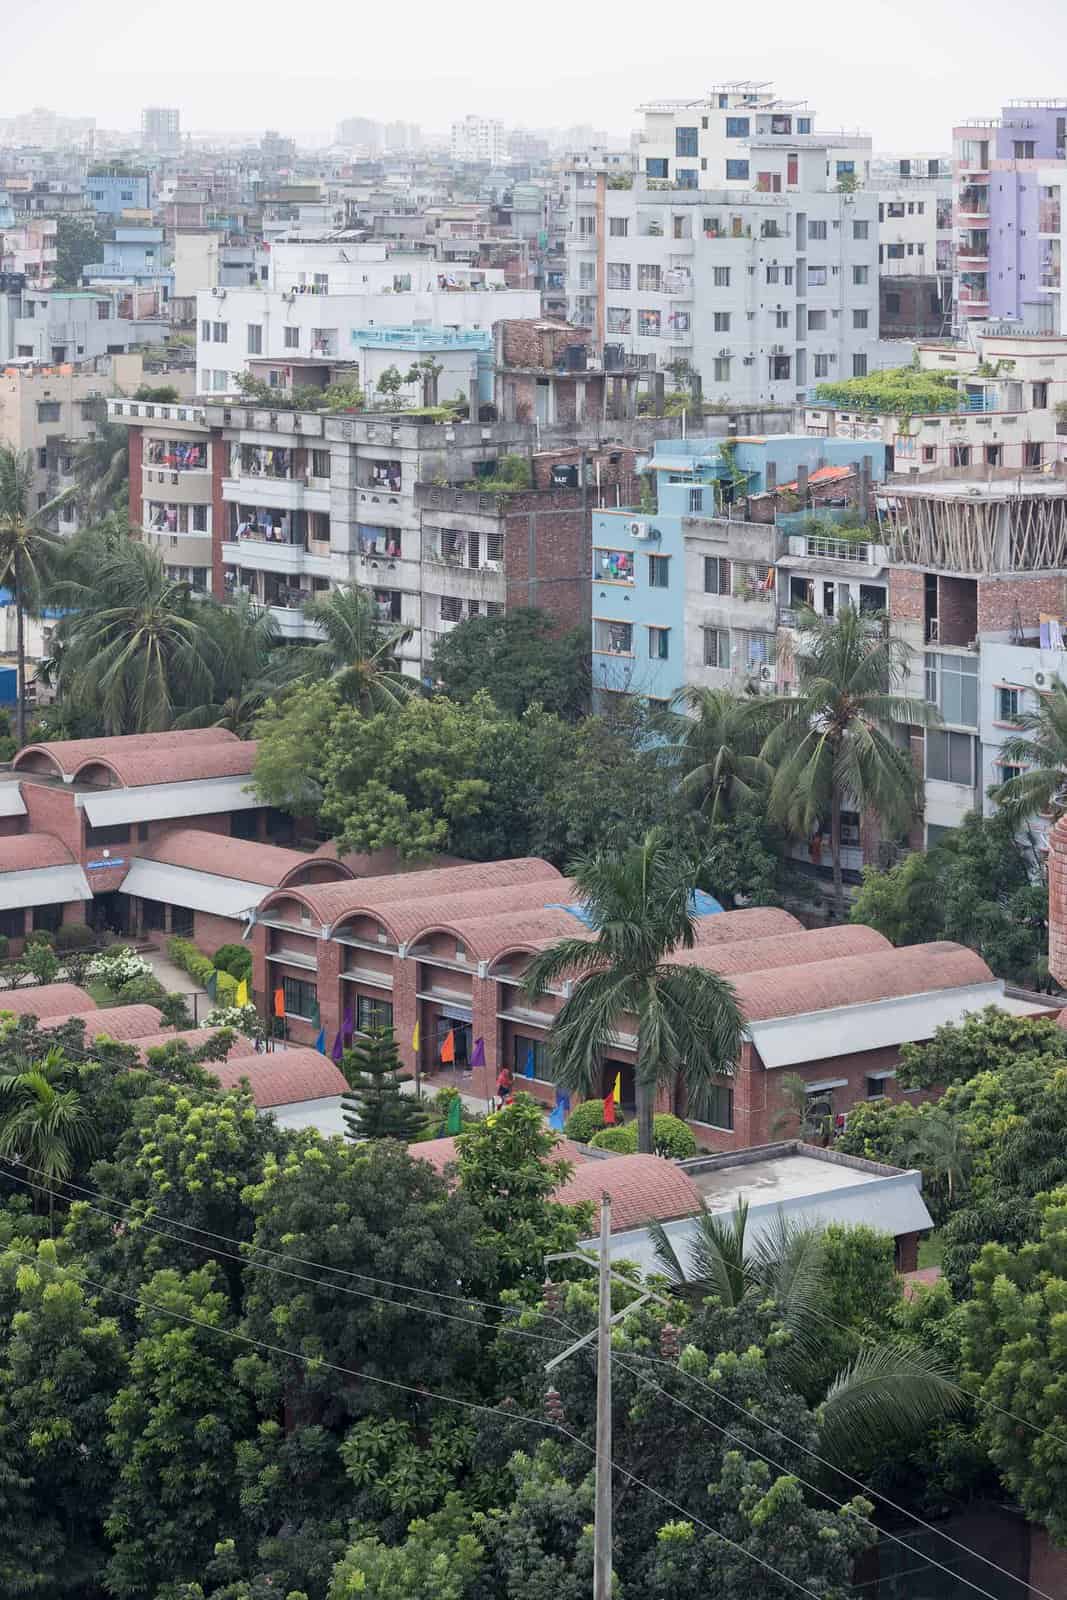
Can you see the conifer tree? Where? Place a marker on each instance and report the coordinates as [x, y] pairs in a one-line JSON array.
[[374, 1107]]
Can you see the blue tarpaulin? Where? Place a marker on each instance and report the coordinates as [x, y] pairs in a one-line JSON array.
[[701, 904]]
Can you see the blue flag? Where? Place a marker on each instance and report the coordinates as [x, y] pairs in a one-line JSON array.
[[528, 1069], [556, 1118], [320, 1042], [563, 1100]]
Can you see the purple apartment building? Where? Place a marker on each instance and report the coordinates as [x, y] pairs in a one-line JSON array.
[[1007, 220]]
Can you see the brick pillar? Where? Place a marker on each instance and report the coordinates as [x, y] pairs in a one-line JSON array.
[[484, 1025], [1057, 901], [406, 1012]]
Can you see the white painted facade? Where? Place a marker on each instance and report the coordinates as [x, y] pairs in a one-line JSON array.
[[479, 139]]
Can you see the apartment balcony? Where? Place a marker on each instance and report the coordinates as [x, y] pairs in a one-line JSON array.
[[283, 494], [1048, 218], [180, 488], [266, 555]]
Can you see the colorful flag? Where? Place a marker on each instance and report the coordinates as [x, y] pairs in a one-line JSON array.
[[448, 1048], [415, 1038], [315, 1019], [320, 1042], [609, 1111], [564, 1100], [279, 1002], [338, 1048], [454, 1124], [557, 1117], [347, 1024], [241, 995], [528, 1069], [616, 1093], [478, 1054], [212, 983]]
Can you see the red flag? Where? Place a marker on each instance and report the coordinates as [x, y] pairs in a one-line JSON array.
[[609, 1110], [448, 1048], [279, 1002]]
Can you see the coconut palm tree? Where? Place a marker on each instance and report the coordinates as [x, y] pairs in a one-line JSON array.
[[1040, 747], [26, 546], [639, 904], [138, 639], [102, 470], [831, 741], [716, 751], [359, 650], [246, 642], [799, 1114], [43, 1122], [942, 1149], [889, 1387]]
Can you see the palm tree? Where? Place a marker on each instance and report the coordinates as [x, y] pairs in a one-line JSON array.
[[688, 1023], [889, 1387], [1040, 747], [942, 1149], [245, 639], [138, 639], [799, 1111], [831, 740], [43, 1122], [359, 650], [717, 751], [102, 470], [26, 543]]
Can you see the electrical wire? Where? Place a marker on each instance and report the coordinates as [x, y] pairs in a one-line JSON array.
[[422, 1393]]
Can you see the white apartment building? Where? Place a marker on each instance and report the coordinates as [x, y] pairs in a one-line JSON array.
[[915, 234], [479, 139], [743, 248], [323, 293]]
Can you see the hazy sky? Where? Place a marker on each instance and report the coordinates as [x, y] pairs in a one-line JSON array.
[[904, 71]]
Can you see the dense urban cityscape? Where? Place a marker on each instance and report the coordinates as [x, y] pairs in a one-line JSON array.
[[533, 852]]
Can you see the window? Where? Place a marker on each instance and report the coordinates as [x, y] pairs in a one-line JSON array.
[[48, 917], [220, 381], [1007, 705], [300, 998], [816, 277], [803, 124], [772, 273], [649, 276], [372, 1013], [618, 274], [816, 230], [648, 324], [721, 277], [291, 339], [717, 648], [816, 321], [656, 167], [781, 368], [721, 371], [659, 572], [659, 644], [255, 338], [1032, 453], [320, 463], [722, 321], [587, 226], [861, 230], [1008, 772], [117, 834], [198, 519], [859, 366], [895, 252], [618, 227], [587, 274], [686, 178], [845, 168], [717, 575], [859, 319], [737, 127], [950, 757], [1039, 396], [769, 182], [451, 608], [614, 638], [929, 452], [618, 319], [205, 330], [48, 411], [792, 170], [781, 319], [960, 455], [220, 332], [721, 1106], [876, 1085], [737, 171], [993, 455], [952, 686], [523, 1049], [696, 501], [1023, 149], [822, 366], [13, 923], [860, 275]]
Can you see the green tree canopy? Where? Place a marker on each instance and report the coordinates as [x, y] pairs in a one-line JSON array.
[[519, 658], [374, 1107]]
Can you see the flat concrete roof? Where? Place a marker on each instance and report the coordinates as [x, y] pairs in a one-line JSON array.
[[967, 489], [776, 1180]]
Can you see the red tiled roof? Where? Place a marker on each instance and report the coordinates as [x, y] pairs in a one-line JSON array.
[[285, 1077], [641, 1187], [201, 851], [467, 911], [758, 922], [822, 475], [179, 764], [242, 1045], [331, 902], [785, 950], [440, 1153], [1061, 1020], [358, 864], [20, 852], [69, 754], [47, 1000], [854, 980], [128, 1023]]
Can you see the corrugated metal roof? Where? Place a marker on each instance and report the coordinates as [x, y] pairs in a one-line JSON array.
[[43, 886], [795, 1040], [198, 891], [155, 801]]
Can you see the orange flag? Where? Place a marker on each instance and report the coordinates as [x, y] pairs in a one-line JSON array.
[[448, 1048], [279, 1002], [609, 1110]]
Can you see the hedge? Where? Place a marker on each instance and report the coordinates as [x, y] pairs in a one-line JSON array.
[[235, 959], [584, 1121], [184, 954], [671, 1138]]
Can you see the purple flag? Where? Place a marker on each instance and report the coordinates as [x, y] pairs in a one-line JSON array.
[[338, 1048], [347, 1024], [478, 1055]]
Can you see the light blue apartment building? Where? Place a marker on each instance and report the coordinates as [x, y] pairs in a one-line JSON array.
[[646, 576], [112, 193], [132, 255]]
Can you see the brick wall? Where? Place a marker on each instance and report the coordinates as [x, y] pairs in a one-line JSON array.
[[546, 560], [1057, 902], [136, 438], [210, 931], [533, 343], [906, 595], [53, 811], [957, 610], [1002, 602]]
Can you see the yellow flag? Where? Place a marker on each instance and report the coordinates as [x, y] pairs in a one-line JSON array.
[[241, 997], [616, 1093], [415, 1038]]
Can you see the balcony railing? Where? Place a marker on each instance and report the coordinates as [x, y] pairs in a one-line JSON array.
[[837, 549]]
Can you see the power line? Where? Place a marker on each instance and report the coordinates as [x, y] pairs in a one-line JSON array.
[[422, 1393]]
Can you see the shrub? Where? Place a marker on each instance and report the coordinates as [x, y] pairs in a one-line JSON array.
[[244, 1018], [225, 989], [176, 1013], [118, 965], [144, 990], [40, 936], [673, 1138], [5, 945], [8, 746], [185, 954], [236, 959], [584, 1121], [622, 1138], [74, 936]]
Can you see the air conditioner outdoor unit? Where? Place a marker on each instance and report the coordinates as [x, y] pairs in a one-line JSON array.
[[1041, 680], [638, 530], [766, 673]]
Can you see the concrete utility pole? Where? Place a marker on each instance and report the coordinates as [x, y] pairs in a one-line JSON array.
[[602, 1530]]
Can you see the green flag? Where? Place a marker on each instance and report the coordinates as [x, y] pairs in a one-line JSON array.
[[212, 984], [454, 1123]]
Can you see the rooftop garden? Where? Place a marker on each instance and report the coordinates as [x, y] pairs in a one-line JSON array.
[[899, 391]]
